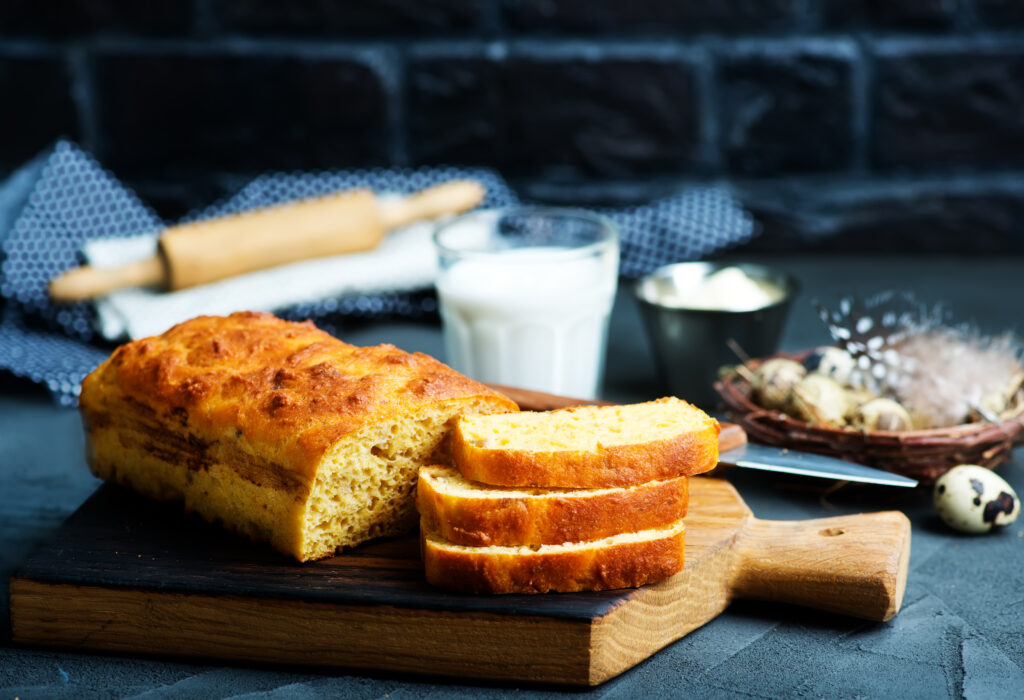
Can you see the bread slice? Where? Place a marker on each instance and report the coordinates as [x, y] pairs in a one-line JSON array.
[[470, 513], [277, 430], [587, 446], [621, 561]]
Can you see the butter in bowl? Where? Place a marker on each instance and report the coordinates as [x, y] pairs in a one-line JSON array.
[[697, 314]]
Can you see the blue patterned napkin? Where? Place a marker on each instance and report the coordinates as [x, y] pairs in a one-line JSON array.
[[50, 209]]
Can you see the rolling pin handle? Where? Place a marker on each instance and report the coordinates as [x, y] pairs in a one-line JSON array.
[[453, 197], [86, 282]]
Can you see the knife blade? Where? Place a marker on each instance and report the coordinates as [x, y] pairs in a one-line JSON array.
[[777, 459]]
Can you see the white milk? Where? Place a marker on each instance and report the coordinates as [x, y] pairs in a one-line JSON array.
[[535, 318]]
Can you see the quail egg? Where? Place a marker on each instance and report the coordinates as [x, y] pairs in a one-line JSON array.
[[774, 380], [974, 499], [819, 400], [855, 398], [993, 404], [990, 406], [882, 414], [832, 362]]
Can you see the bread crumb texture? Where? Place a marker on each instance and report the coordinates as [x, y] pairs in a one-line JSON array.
[[275, 429], [588, 446]]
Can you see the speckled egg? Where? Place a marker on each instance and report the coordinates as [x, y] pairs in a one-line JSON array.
[[774, 381], [974, 499], [832, 362], [819, 400], [882, 414]]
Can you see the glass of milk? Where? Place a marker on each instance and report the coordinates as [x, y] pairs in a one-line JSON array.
[[525, 296]]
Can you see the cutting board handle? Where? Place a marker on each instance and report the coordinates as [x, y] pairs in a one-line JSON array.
[[851, 564]]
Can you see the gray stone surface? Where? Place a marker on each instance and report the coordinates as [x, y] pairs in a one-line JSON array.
[[958, 634]]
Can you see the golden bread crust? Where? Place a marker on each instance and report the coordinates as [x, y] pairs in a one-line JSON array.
[[481, 515], [693, 450], [290, 389], [244, 419], [595, 566]]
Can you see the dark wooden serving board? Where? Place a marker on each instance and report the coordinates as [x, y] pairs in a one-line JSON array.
[[127, 575]]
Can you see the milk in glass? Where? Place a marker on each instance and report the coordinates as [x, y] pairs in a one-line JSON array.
[[534, 317]]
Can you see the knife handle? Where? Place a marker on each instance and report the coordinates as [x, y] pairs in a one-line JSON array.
[[851, 564]]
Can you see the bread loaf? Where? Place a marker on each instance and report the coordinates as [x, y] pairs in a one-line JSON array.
[[277, 430], [587, 446], [470, 513], [621, 561]]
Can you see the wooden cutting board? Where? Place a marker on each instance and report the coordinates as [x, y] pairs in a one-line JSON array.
[[127, 575]]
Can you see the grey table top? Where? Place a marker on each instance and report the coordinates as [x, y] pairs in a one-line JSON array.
[[960, 631]]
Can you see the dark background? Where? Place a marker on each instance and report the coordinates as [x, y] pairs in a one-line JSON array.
[[895, 125], [846, 125]]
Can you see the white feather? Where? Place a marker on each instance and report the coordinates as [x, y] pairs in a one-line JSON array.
[[947, 371]]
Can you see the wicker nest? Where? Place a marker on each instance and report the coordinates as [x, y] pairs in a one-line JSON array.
[[924, 455]]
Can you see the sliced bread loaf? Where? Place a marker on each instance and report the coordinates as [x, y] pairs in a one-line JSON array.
[[278, 430], [621, 561], [470, 513], [587, 446]]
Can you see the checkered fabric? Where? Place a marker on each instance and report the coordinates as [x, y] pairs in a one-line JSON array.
[[70, 199]]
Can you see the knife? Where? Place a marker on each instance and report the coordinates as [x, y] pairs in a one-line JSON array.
[[735, 451]]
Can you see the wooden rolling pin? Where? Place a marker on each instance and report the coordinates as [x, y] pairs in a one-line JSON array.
[[215, 249]]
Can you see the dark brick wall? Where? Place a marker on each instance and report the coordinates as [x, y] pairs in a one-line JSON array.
[[845, 124], [531, 110], [331, 18], [786, 107], [196, 111], [38, 106], [948, 106]]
